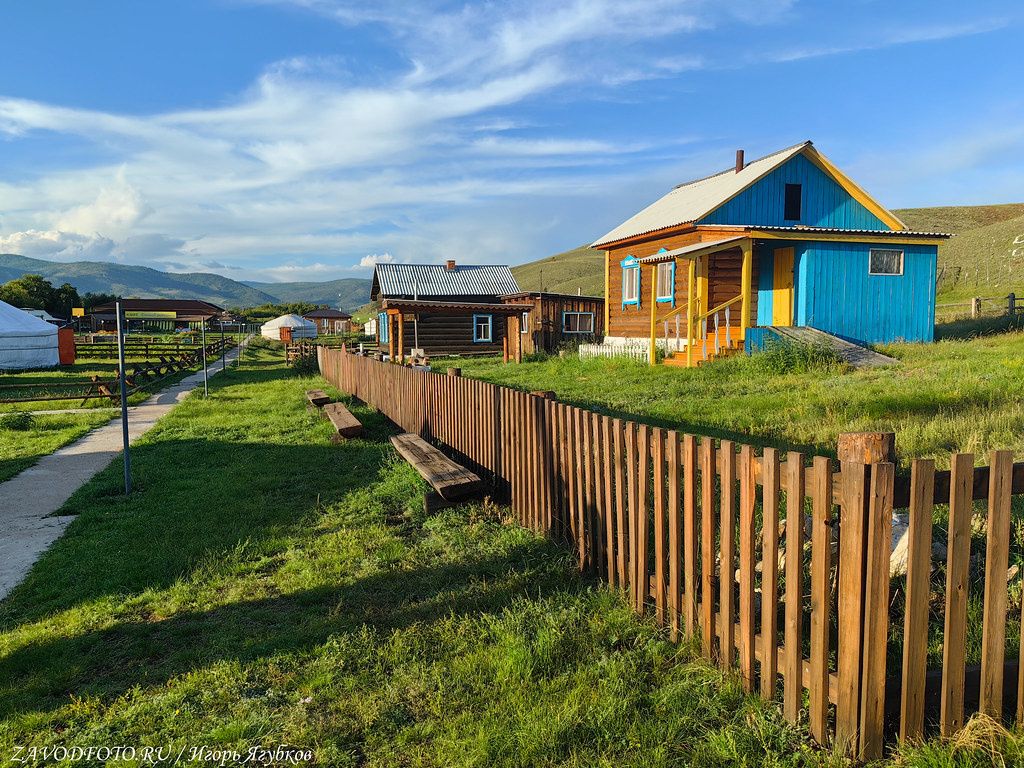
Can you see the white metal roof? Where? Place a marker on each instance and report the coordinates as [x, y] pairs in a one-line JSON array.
[[696, 199], [432, 280]]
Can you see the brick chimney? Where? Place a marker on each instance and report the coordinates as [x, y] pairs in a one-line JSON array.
[[450, 264], [739, 160]]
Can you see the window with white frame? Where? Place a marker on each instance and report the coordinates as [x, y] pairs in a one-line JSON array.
[[667, 282], [885, 261], [578, 322], [481, 328], [382, 328], [524, 322], [630, 282]]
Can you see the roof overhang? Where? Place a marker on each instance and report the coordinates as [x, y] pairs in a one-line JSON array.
[[697, 249], [547, 294], [905, 237], [452, 307]]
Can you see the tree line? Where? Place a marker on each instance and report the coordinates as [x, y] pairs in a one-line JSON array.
[[32, 291]]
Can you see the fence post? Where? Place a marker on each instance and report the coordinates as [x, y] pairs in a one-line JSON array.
[[858, 452], [975, 307], [1011, 304]]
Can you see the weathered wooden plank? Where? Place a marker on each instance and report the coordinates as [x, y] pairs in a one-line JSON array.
[[851, 601], [318, 397], [448, 478], [747, 629], [600, 521], [793, 656], [770, 574], [915, 622], [621, 508], [821, 571], [690, 538], [993, 646], [658, 456], [876, 611], [343, 421], [958, 557], [609, 497], [708, 521], [727, 555], [675, 535], [642, 546]]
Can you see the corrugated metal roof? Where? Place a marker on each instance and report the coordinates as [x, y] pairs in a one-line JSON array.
[[696, 199], [405, 305], [437, 280]]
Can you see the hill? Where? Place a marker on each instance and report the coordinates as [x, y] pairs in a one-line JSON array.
[[144, 282], [578, 270]]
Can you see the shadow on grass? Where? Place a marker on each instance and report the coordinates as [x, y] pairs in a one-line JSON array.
[[149, 652]]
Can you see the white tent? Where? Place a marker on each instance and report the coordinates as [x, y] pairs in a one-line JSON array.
[[26, 341], [301, 328]]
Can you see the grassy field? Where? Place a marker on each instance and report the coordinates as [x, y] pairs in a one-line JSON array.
[[959, 394], [21, 448], [263, 586]]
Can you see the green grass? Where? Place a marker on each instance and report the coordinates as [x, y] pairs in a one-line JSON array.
[[265, 586], [959, 394], [20, 449]]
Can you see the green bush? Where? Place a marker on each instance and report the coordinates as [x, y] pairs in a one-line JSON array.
[[781, 356], [306, 365], [18, 421], [262, 342]]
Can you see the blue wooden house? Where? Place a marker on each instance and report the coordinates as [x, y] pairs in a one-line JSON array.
[[786, 240]]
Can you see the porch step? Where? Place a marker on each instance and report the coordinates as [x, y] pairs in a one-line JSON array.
[[679, 359]]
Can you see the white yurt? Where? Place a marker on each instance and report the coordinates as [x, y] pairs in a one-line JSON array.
[[301, 328], [26, 341]]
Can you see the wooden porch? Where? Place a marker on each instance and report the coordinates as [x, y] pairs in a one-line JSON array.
[[719, 305]]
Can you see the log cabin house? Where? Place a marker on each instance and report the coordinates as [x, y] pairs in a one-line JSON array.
[[442, 309], [786, 240]]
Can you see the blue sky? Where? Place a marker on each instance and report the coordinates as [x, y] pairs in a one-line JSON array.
[[307, 139]]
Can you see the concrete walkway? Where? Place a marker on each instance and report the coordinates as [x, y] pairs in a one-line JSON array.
[[28, 498]]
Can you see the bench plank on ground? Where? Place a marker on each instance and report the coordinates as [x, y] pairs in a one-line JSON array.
[[346, 424], [449, 479], [318, 397]]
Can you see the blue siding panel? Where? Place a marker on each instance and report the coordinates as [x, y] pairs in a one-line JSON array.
[[765, 281], [836, 294], [824, 202]]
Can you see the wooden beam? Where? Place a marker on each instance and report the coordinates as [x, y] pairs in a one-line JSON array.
[[745, 286], [654, 310]]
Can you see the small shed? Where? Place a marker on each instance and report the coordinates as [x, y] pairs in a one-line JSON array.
[[549, 320], [300, 328], [26, 341]]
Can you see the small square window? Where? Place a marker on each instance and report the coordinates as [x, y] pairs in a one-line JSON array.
[[793, 202], [578, 322], [885, 261], [481, 328]]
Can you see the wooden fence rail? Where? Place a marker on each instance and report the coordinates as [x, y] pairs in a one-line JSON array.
[[781, 566]]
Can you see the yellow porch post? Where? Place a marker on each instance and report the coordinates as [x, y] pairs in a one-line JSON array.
[[691, 309], [745, 286], [654, 309]]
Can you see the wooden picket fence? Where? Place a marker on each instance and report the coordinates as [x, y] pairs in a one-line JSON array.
[[663, 515]]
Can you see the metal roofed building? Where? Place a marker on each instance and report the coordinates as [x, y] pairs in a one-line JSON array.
[[442, 309]]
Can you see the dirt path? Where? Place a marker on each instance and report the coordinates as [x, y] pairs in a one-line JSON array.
[[28, 498]]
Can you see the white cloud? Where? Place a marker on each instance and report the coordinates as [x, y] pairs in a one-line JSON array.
[[373, 259], [55, 245]]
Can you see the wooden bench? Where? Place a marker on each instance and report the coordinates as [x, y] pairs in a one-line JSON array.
[[346, 424], [317, 397], [449, 480]]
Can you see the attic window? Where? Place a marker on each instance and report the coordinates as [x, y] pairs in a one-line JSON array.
[[793, 195], [885, 261]]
